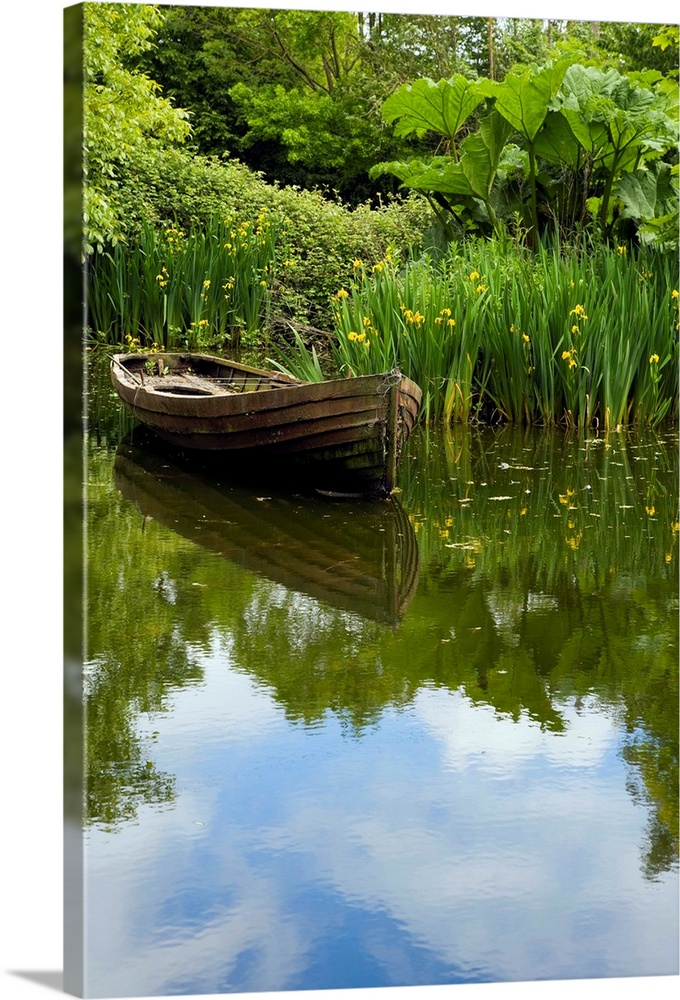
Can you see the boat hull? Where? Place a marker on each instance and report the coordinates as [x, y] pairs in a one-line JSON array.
[[345, 434]]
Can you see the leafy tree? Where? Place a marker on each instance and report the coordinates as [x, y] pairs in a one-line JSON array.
[[123, 110], [297, 94], [289, 92]]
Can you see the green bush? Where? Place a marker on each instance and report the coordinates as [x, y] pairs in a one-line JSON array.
[[324, 237]]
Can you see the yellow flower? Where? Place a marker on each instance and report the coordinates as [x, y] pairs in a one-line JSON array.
[[379, 266], [473, 275], [525, 338], [352, 335], [654, 360], [512, 328], [579, 311], [481, 288], [438, 319], [358, 263], [621, 250], [444, 312], [206, 283], [574, 329], [342, 294], [668, 557], [450, 322], [674, 293], [651, 510]]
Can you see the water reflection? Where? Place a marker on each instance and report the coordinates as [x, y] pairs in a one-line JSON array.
[[359, 556], [487, 792]]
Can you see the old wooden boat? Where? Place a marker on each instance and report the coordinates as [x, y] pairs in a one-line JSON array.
[[344, 435], [353, 555]]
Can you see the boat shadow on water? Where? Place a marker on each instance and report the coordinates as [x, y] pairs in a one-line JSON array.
[[356, 555]]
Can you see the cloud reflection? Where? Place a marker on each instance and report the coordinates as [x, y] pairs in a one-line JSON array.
[[447, 844]]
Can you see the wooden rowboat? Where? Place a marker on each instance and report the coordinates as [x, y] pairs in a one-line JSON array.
[[344, 435]]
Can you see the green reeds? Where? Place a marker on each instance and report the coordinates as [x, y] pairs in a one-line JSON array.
[[419, 319], [579, 336], [175, 290]]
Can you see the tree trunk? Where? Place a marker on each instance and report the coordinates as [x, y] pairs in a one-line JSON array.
[[492, 65]]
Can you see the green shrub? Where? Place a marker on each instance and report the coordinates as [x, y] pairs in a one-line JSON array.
[[173, 187]]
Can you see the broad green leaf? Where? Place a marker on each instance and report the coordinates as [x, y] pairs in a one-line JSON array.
[[557, 143], [524, 98], [426, 106], [604, 109], [648, 194], [481, 153], [662, 232], [439, 175], [403, 170]]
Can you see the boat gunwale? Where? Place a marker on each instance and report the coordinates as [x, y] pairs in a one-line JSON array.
[[290, 393]]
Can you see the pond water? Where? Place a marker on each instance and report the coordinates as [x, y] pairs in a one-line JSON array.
[[348, 744]]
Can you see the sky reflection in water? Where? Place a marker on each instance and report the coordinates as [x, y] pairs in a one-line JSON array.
[[445, 846]]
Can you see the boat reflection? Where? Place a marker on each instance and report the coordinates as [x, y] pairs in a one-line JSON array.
[[356, 555]]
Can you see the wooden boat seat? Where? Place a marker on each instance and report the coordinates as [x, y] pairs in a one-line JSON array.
[[185, 384]]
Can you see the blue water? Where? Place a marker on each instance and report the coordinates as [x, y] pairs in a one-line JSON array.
[[445, 845]]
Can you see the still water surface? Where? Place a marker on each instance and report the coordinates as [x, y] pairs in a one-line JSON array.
[[350, 744]]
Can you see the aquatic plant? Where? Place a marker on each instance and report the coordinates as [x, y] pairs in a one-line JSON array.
[[173, 289], [579, 336]]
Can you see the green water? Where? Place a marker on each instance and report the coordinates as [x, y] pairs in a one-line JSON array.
[[430, 740]]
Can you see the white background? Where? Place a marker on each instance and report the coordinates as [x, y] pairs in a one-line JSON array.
[[31, 477]]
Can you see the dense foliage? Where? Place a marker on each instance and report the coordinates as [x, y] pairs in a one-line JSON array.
[[584, 143], [123, 111], [297, 93], [556, 143]]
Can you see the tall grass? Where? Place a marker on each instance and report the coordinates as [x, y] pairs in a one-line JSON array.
[[171, 289], [580, 336]]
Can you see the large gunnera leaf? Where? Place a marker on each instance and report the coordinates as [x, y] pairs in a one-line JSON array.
[[426, 106], [648, 194]]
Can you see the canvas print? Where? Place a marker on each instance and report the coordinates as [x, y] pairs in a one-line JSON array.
[[371, 499]]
